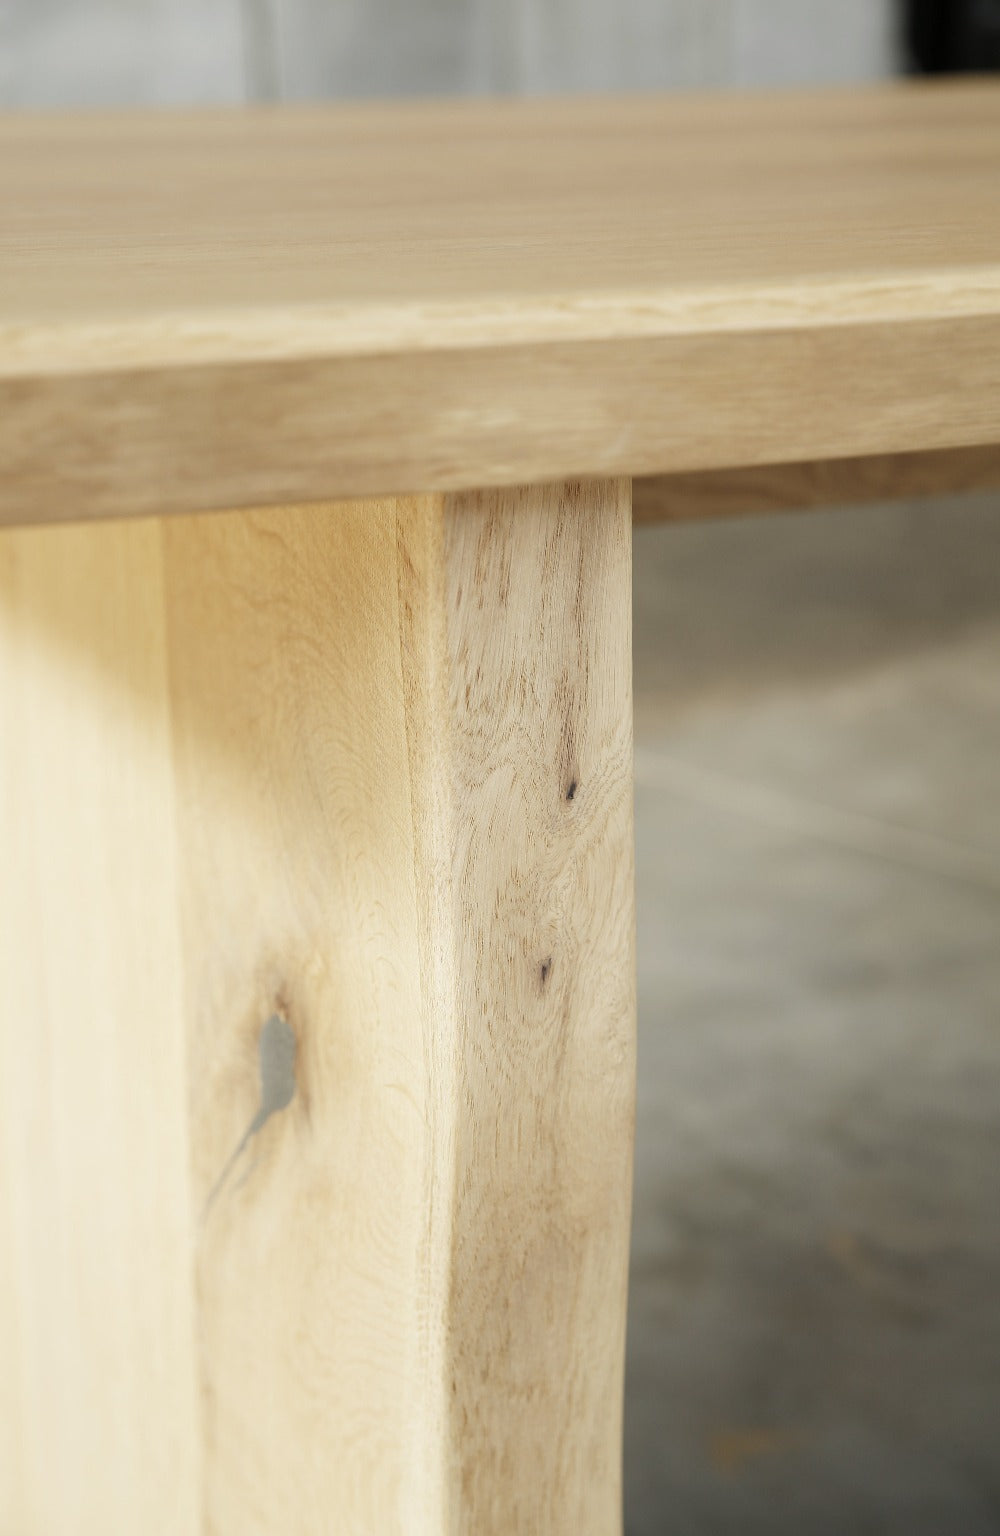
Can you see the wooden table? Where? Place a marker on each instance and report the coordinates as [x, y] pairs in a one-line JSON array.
[[316, 895]]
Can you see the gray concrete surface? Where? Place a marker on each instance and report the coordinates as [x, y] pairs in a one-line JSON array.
[[814, 1339]]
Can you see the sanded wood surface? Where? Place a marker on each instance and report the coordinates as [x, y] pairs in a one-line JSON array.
[[538, 606], [819, 483], [235, 309], [364, 770], [99, 1421]]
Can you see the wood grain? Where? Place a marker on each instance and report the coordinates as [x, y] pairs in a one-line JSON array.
[[99, 1422], [214, 310], [539, 644], [301, 892], [820, 483], [366, 768]]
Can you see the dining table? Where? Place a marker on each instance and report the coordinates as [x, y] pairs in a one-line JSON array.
[[323, 430]]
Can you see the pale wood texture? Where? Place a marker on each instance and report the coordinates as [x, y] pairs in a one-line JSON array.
[[821, 483], [368, 768], [99, 1424], [228, 310], [301, 893], [539, 610]]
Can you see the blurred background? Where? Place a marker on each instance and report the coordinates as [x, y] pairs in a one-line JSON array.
[[105, 52], [814, 1340]]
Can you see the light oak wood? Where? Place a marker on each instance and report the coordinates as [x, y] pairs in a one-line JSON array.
[[538, 598], [364, 769], [99, 1422], [215, 309], [321, 1353], [821, 483]]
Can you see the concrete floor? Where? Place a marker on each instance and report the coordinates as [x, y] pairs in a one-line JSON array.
[[814, 1327]]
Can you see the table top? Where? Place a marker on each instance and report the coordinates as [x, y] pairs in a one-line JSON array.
[[237, 307]]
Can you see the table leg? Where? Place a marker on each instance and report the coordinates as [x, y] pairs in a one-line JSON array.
[[322, 883]]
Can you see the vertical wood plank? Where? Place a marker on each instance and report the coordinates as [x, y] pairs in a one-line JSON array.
[[539, 619], [300, 899], [328, 809], [403, 737], [98, 1406]]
